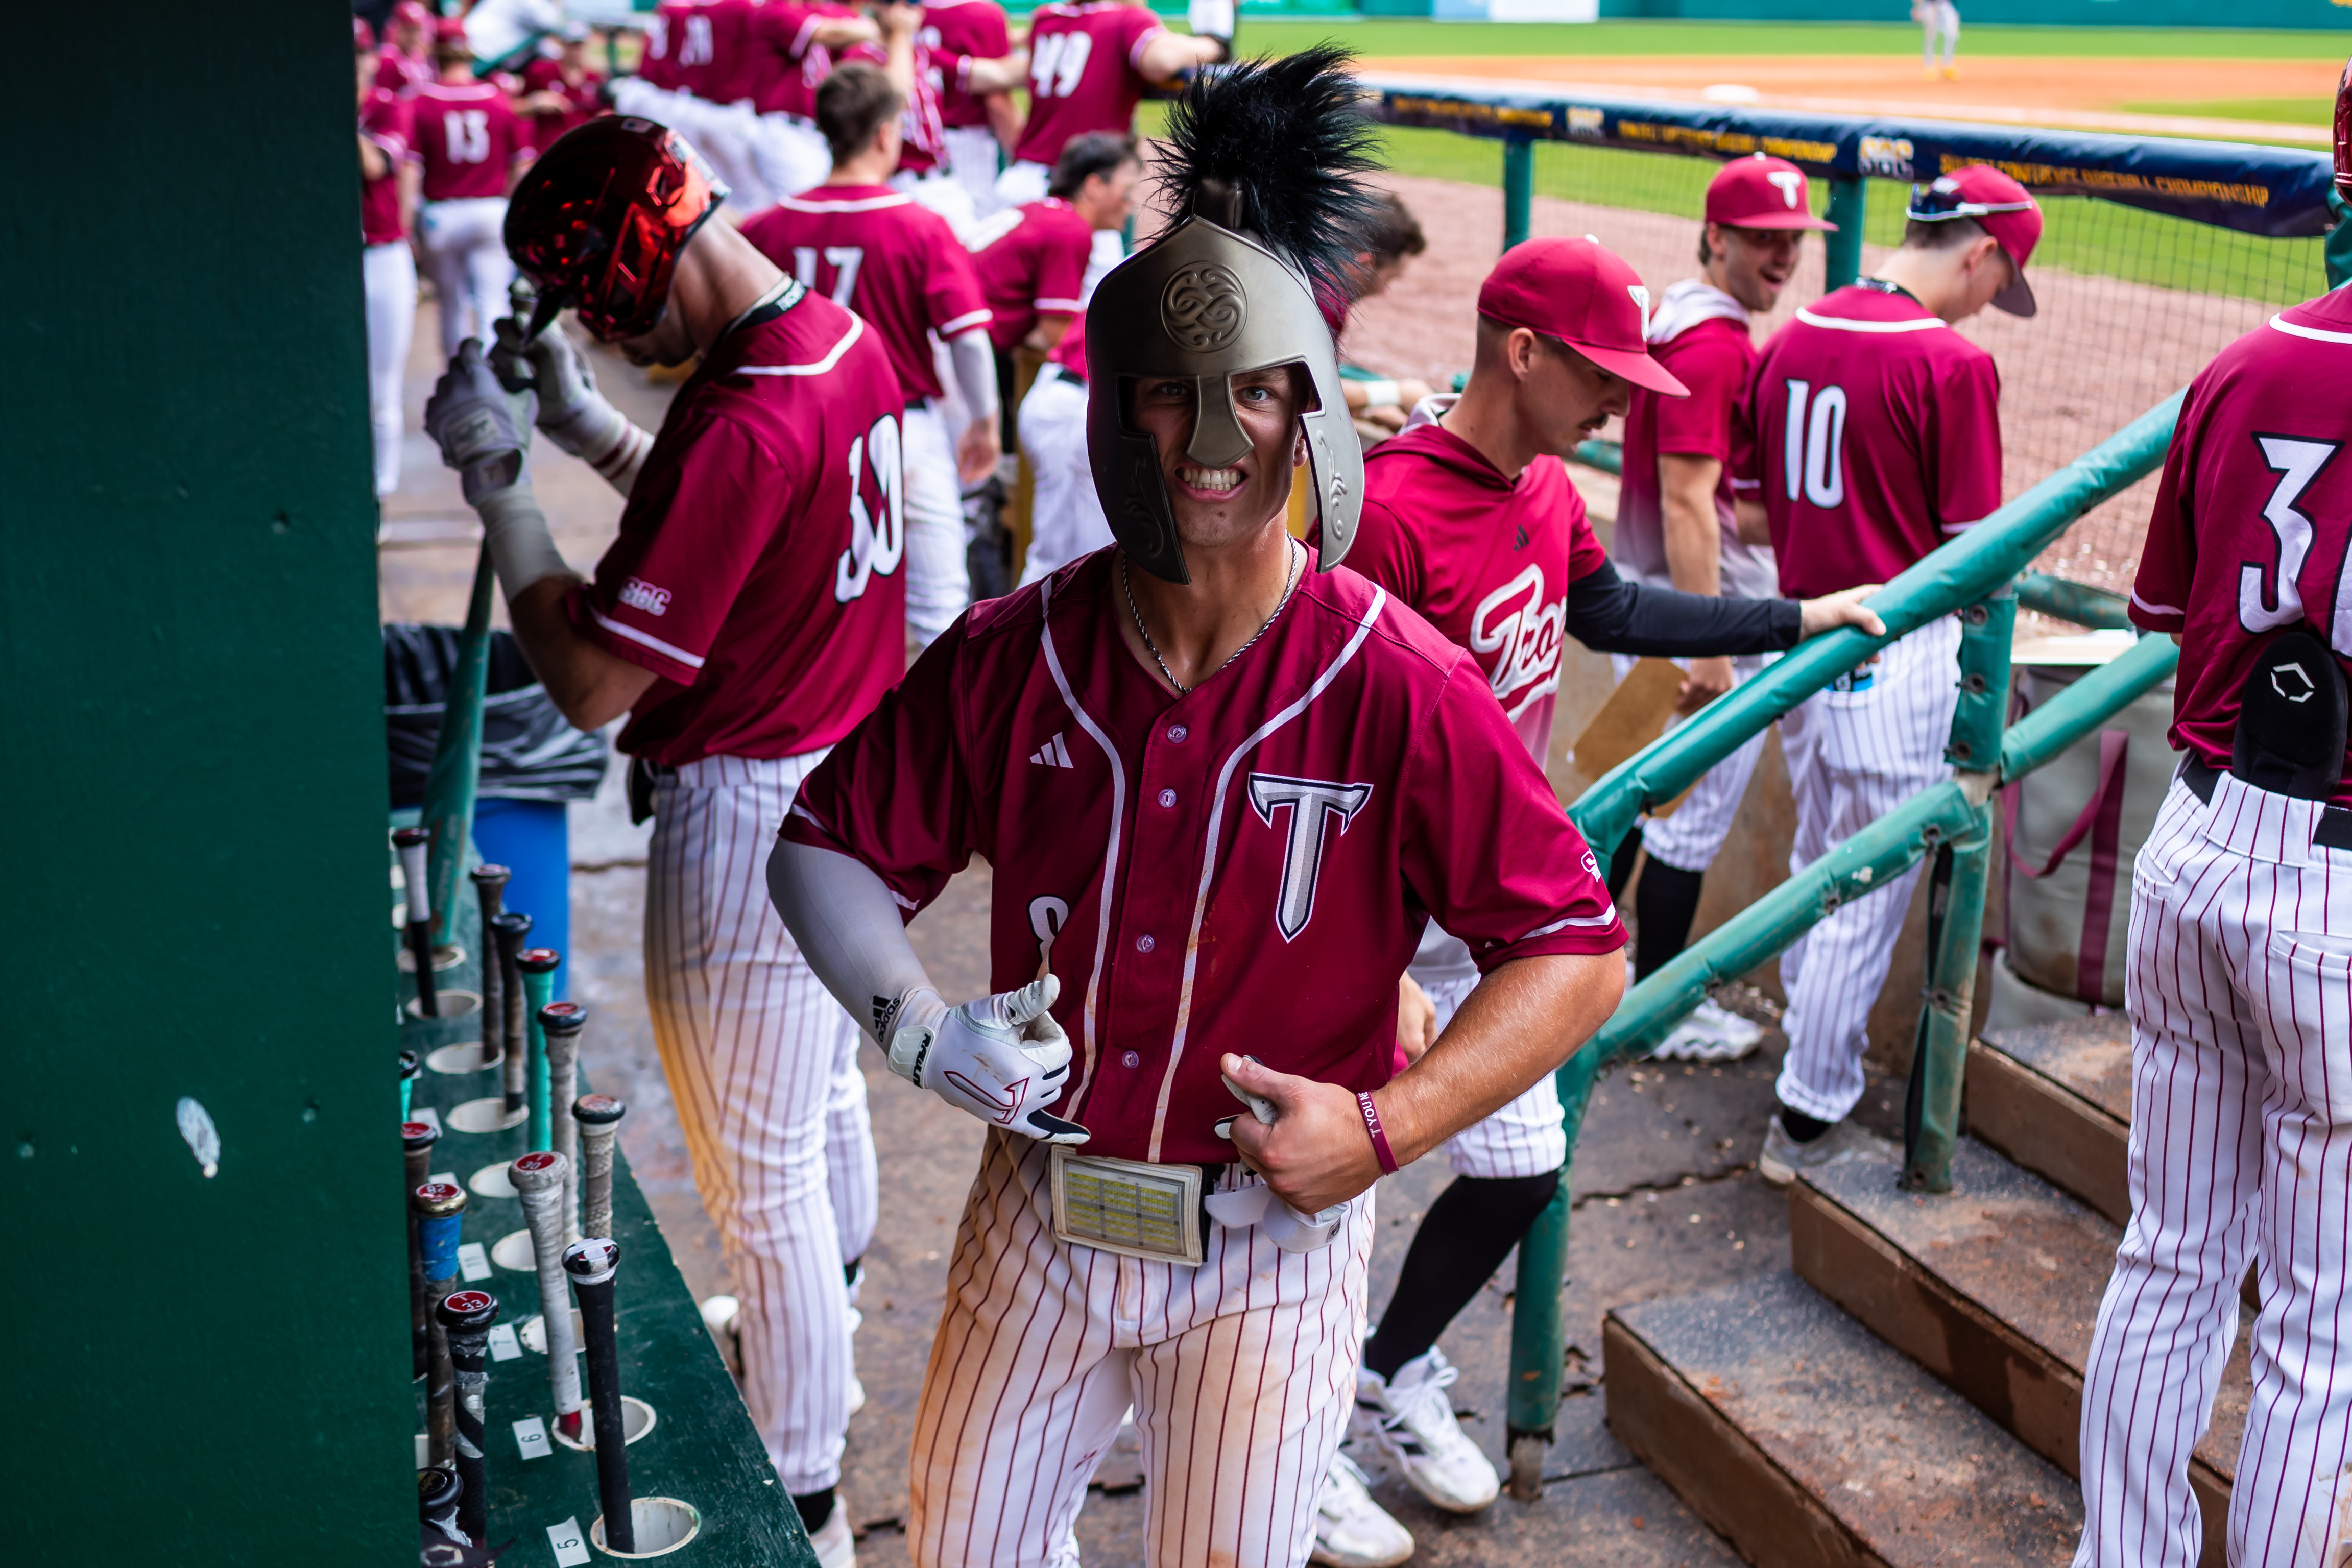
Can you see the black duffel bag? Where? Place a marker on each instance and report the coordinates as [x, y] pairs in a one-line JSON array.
[[530, 750]]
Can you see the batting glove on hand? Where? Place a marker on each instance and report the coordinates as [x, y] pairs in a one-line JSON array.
[[1001, 1057], [574, 414], [480, 426]]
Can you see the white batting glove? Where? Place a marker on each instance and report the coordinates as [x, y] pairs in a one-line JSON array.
[[482, 429], [1001, 1057], [573, 415]]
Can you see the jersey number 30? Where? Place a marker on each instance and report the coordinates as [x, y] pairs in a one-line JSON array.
[[1812, 456], [877, 534], [2264, 606]]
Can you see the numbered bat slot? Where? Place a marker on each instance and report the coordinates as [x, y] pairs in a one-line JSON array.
[[663, 1525], [448, 956], [468, 1056], [454, 1005], [635, 1415], [487, 1116]]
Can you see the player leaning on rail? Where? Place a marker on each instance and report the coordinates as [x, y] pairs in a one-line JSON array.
[[1221, 785]]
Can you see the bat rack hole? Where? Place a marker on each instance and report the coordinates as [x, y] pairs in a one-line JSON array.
[[454, 1005], [662, 1524], [637, 1417], [465, 1056], [448, 956], [486, 1115]]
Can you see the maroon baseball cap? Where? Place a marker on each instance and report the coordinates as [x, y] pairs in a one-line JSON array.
[[1999, 202], [1579, 292], [1762, 193]]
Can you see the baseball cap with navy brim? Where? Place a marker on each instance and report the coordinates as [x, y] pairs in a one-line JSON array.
[[2004, 209], [1582, 294]]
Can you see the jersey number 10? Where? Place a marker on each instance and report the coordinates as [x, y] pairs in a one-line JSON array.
[[1056, 62], [1813, 457]]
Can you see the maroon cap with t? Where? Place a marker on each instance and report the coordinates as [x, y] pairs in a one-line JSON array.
[[1578, 291], [1999, 202], [1762, 193]]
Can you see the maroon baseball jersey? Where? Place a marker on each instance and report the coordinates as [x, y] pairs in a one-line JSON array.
[[756, 573], [789, 63], [1036, 265], [581, 100], [972, 29], [709, 47], [1714, 359], [1070, 353], [1485, 560], [1244, 868], [384, 120], [399, 71], [922, 146], [1082, 73], [467, 138], [2254, 515], [657, 62], [886, 256], [1872, 435]]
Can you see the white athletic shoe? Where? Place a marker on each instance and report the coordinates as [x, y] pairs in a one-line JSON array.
[[1710, 1034], [1414, 1419], [1784, 1157], [836, 1547], [856, 1394], [1351, 1531], [723, 1316]]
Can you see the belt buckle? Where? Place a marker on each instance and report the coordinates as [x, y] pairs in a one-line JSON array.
[[1128, 1207]]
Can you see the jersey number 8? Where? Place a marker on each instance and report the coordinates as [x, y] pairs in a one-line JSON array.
[[1057, 62], [878, 535], [1813, 457]]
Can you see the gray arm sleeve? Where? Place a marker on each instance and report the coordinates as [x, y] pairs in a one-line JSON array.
[[848, 929], [975, 371]]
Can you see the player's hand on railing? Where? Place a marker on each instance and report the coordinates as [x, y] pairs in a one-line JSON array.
[[1314, 1153], [1833, 611], [1705, 680], [1416, 1018], [1002, 1057]]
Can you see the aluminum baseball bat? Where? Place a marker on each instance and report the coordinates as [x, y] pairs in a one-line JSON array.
[[416, 1141], [513, 930], [561, 1023], [440, 1207], [599, 1117], [591, 1263], [538, 966], [465, 1317], [490, 888], [413, 844], [539, 1180]]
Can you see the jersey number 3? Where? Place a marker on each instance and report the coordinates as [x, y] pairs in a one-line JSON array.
[[2270, 594], [877, 533]]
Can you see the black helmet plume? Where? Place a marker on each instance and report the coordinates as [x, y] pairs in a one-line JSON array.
[[1278, 148]]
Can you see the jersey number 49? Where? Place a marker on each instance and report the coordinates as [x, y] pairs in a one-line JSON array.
[[1057, 62]]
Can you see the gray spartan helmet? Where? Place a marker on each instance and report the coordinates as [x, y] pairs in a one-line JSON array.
[[1204, 304]]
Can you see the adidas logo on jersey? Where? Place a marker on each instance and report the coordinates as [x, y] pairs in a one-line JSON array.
[[1053, 754]]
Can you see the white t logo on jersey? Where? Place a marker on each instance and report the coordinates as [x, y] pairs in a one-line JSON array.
[[1313, 803], [1790, 184], [1522, 633]]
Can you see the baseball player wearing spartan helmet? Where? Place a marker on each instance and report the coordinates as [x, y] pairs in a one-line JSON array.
[[1470, 518], [1221, 791], [750, 611], [1872, 435], [1676, 525], [2239, 986]]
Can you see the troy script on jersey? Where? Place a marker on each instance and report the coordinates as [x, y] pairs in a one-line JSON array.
[[1297, 818], [2254, 516], [1487, 560]]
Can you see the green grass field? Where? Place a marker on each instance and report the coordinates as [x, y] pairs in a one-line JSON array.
[[2272, 110], [1378, 38]]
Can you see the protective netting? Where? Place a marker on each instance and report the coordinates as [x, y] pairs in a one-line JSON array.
[[2132, 303]]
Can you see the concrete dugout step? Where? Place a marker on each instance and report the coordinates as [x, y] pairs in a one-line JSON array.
[[1804, 1440], [2056, 1099], [1993, 1289]]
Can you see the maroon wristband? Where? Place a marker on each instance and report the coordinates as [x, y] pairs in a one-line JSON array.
[[1379, 1139]]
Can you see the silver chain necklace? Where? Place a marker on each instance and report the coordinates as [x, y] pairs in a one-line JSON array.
[[1290, 582]]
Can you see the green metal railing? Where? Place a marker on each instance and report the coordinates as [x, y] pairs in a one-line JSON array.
[[1978, 575]]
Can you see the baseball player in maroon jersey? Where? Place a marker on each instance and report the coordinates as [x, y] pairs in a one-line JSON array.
[[1222, 791], [562, 93], [405, 61], [980, 127], [703, 66], [1089, 64], [877, 251], [1677, 526], [2238, 988], [1871, 435], [1470, 518], [387, 268], [919, 75], [1032, 259], [793, 44], [750, 613], [469, 146]]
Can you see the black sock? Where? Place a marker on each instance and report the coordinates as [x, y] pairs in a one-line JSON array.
[[1804, 1129], [1463, 1239], [1620, 864], [815, 1507], [1663, 906]]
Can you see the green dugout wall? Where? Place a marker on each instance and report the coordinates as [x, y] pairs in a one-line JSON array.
[[199, 1371]]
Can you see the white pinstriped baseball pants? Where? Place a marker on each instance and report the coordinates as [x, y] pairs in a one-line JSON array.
[[1853, 757], [2239, 992], [939, 575], [763, 1064], [1693, 835], [1242, 1374]]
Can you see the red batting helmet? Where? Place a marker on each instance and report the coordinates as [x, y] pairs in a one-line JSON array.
[[599, 220]]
